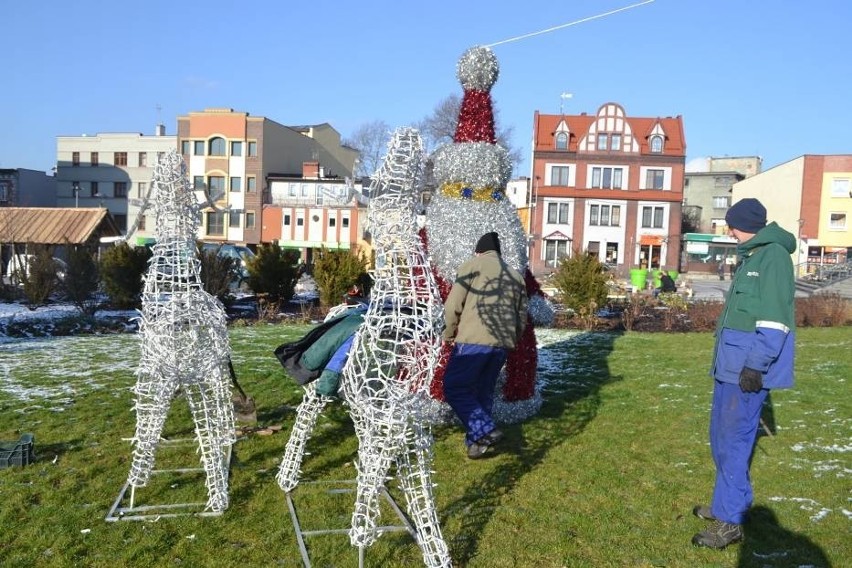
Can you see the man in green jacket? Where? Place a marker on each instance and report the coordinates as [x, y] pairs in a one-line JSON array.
[[755, 340], [485, 312]]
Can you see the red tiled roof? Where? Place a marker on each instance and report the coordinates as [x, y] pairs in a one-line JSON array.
[[546, 125]]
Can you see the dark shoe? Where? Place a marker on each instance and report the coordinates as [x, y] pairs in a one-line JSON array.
[[476, 450], [703, 512], [719, 535], [492, 437]]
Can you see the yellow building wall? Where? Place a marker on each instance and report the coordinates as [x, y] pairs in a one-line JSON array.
[[829, 237]]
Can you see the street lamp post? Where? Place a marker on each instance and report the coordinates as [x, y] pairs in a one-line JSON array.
[[75, 187]]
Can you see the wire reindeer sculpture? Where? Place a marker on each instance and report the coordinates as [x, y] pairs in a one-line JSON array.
[[386, 378], [184, 339]]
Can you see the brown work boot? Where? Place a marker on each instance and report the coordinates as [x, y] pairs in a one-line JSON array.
[[719, 535]]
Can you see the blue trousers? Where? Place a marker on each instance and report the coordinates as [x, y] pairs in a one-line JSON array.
[[734, 420], [469, 383]]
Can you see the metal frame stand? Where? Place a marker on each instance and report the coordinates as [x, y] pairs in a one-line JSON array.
[[301, 534], [134, 512]]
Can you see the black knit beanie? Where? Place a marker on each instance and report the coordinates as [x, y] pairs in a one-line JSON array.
[[488, 241], [747, 215]]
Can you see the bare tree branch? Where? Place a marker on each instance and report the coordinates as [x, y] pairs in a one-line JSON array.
[[371, 141]]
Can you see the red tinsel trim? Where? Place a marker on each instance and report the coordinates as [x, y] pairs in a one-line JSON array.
[[533, 287], [476, 118], [521, 367]]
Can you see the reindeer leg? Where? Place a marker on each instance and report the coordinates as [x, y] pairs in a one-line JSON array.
[[154, 395], [415, 482], [375, 458], [306, 419], [212, 437]]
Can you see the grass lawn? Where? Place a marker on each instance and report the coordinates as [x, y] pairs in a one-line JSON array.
[[605, 475]]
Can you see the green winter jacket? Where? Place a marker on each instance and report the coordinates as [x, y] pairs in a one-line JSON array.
[[487, 304], [757, 328], [763, 285]]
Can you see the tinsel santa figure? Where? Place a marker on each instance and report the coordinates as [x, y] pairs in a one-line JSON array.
[[471, 174]]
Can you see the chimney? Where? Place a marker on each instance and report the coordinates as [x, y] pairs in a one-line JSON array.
[[311, 170], [160, 130]]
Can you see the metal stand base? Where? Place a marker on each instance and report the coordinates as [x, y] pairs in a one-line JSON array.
[[134, 512], [300, 534]]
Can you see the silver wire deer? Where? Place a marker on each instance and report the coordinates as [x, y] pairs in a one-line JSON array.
[[184, 337], [386, 378]]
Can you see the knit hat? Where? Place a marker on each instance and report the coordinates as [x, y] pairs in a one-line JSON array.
[[488, 241], [747, 215]]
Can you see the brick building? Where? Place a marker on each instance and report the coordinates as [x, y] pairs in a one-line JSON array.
[[610, 185]]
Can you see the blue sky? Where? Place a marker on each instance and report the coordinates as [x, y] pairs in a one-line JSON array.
[[749, 78]]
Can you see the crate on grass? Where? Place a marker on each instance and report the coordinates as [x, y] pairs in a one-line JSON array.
[[17, 453]]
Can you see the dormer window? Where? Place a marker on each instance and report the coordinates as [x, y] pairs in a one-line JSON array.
[[602, 141], [656, 144], [561, 141]]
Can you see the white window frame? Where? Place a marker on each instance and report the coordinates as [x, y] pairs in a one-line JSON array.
[[643, 178], [554, 245], [602, 214], [721, 201], [835, 225], [558, 207], [840, 187], [572, 173], [623, 174], [653, 213]]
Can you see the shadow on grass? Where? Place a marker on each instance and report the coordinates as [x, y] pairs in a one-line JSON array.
[[334, 429], [48, 452], [573, 372], [767, 543]]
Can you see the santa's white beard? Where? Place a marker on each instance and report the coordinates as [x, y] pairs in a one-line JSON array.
[[454, 226]]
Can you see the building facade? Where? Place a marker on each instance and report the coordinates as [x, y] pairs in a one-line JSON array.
[[810, 196], [706, 199], [20, 187], [231, 156], [310, 211], [111, 170], [610, 185]]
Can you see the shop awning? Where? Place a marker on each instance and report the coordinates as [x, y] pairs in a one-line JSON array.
[[655, 240]]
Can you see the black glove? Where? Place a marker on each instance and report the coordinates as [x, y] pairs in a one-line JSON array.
[[751, 380]]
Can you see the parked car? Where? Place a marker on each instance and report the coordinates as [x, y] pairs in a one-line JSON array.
[[19, 265], [242, 254]]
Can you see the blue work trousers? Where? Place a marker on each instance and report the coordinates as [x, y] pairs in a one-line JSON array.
[[469, 383], [734, 420]]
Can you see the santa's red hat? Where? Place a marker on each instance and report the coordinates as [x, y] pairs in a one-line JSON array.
[[474, 166]]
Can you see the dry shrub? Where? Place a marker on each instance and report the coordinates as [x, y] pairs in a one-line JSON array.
[[703, 315], [675, 307], [823, 310], [633, 310], [268, 308]]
